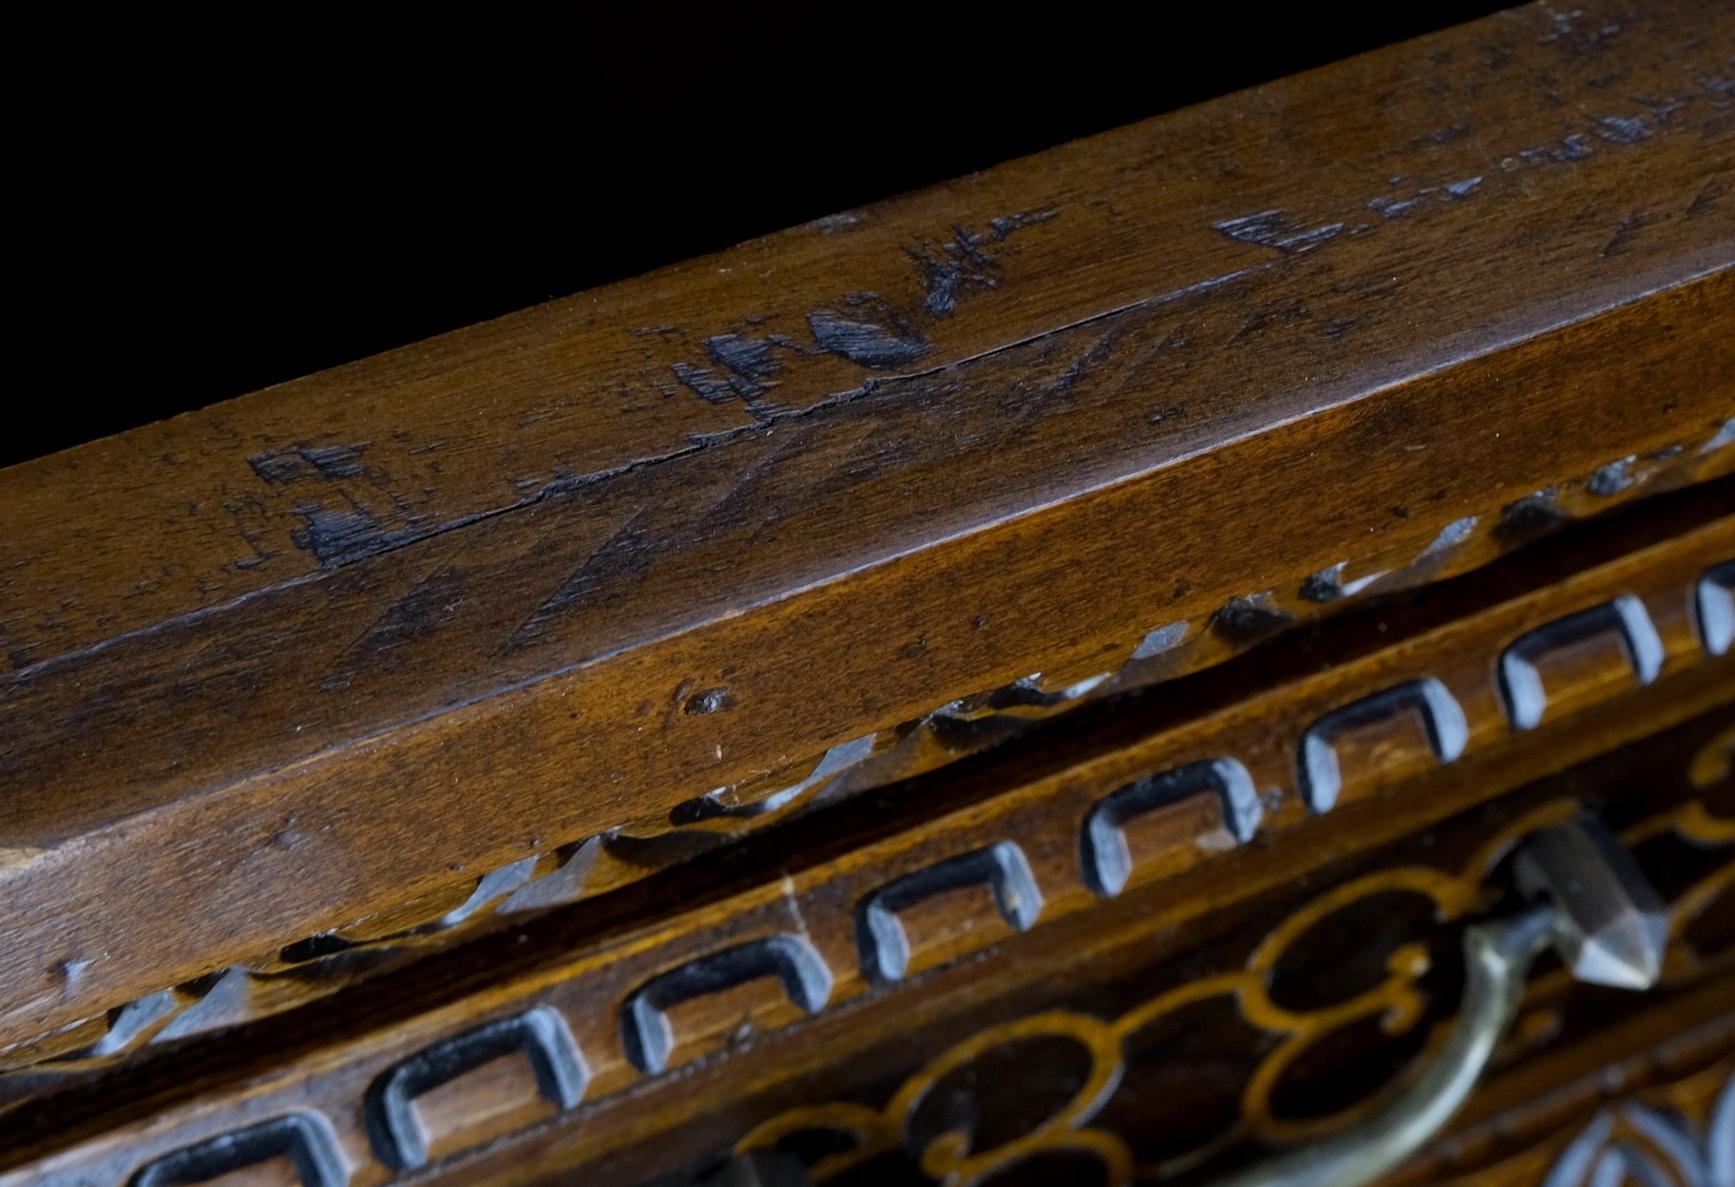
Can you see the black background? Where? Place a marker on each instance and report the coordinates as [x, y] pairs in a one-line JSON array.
[[219, 200]]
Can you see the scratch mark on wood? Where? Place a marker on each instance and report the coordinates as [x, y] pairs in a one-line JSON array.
[[1578, 33], [835, 224], [1624, 232], [867, 344], [1276, 229], [304, 463], [1527, 518], [1613, 478], [961, 263], [1264, 318], [340, 536], [748, 360], [1246, 620], [1706, 200], [1620, 129], [428, 606]]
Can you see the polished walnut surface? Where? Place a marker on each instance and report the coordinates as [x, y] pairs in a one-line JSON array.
[[729, 683]]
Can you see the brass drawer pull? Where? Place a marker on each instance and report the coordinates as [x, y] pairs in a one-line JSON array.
[[1593, 904]]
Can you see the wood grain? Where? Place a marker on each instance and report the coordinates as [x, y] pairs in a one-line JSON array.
[[1665, 1111], [883, 925], [590, 562], [1577, 658]]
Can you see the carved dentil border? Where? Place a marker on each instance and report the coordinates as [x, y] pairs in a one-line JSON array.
[[605, 1021], [314, 967]]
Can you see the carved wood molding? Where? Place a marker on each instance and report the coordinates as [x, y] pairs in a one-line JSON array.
[[590, 564], [1437, 717], [1394, 1003], [302, 969]]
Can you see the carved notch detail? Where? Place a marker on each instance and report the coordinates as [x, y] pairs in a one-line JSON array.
[[1521, 683], [650, 1037], [1442, 721], [304, 1138], [885, 947], [540, 1033], [1108, 859]]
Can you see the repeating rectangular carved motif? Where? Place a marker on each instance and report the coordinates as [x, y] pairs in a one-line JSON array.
[[1256, 321], [311, 967], [821, 938]]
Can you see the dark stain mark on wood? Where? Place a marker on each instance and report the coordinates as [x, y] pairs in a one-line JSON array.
[[748, 360], [305, 463], [341, 535], [1087, 362], [1706, 200], [1264, 318], [961, 263], [1661, 108], [704, 382], [330, 533], [1277, 229], [626, 554], [871, 333], [1620, 129], [433, 602], [252, 520], [762, 494], [866, 344], [747, 367], [1624, 232], [1003, 227], [1392, 207]]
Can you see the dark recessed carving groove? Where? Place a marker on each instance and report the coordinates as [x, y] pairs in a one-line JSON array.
[[648, 1034], [1107, 859], [1442, 721], [303, 1138], [1521, 684], [1002, 868], [1715, 602], [541, 1034]]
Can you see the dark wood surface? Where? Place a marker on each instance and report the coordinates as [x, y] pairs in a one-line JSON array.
[[1061, 589], [1666, 1084], [1277, 1015], [1444, 643], [590, 561]]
